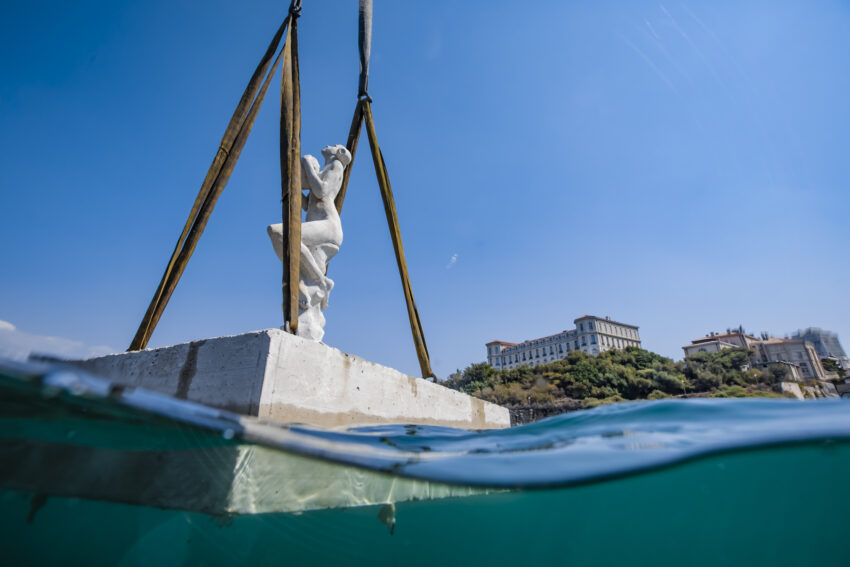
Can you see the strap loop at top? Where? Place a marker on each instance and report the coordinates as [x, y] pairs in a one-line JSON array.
[[295, 8]]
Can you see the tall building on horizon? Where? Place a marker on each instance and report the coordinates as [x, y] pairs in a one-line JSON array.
[[826, 344], [591, 335]]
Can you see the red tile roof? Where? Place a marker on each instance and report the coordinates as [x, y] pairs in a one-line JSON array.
[[722, 335]]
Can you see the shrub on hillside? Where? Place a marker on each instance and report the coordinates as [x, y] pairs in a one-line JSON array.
[[618, 375]]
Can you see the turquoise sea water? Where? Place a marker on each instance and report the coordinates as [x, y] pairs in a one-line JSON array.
[[95, 475]]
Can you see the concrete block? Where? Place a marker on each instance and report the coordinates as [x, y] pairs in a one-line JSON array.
[[286, 378], [792, 388]]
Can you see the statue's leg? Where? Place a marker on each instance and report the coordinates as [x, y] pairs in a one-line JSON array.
[[319, 232], [276, 235], [310, 269], [310, 318], [329, 285], [313, 233], [304, 295]]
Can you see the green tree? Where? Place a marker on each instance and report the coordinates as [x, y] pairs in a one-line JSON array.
[[618, 375], [830, 365]]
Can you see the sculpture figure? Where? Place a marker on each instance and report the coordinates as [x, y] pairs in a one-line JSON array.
[[321, 237]]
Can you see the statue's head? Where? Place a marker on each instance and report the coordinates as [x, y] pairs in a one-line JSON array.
[[337, 152]]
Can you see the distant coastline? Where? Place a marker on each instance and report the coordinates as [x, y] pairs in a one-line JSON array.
[[582, 381]]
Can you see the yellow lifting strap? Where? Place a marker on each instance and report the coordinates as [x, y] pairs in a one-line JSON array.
[[363, 112], [395, 234], [290, 173], [290, 164], [222, 166]]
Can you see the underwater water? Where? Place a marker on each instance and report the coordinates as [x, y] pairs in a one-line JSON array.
[[96, 475]]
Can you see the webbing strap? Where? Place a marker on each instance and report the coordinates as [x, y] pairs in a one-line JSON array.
[[219, 172], [364, 37], [363, 112], [395, 234], [290, 177], [351, 145]]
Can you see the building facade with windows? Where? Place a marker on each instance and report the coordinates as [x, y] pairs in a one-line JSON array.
[[714, 342], [798, 355], [826, 344], [798, 352], [591, 335]]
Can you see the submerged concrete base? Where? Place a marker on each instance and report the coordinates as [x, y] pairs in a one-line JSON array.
[[280, 376]]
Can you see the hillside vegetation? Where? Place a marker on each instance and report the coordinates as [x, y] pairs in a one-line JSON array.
[[620, 375]]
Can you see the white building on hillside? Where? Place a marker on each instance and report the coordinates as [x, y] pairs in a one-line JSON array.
[[798, 355], [798, 352], [592, 335], [713, 342]]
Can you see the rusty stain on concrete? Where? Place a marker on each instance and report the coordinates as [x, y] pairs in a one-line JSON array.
[[190, 368]]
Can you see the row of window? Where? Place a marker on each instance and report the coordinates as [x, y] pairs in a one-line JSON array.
[[517, 353], [527, 355], [610, 329], [536, 353], [617, 343], [779, 356], [607, 341], [543, 360], [545, 342]]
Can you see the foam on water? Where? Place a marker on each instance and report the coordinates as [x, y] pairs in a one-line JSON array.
[[607, 441]]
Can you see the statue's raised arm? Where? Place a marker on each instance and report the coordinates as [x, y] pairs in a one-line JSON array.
[[310, 176], [326, 182]]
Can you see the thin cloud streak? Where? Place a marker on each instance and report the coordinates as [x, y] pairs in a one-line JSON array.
[[649, 61]]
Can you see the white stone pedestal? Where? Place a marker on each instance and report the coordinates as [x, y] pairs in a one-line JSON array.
[[280, 376]]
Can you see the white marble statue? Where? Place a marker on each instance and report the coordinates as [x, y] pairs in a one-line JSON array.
[[321, 237]]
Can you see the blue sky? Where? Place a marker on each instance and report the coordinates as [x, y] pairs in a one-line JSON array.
[[679, 166]]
